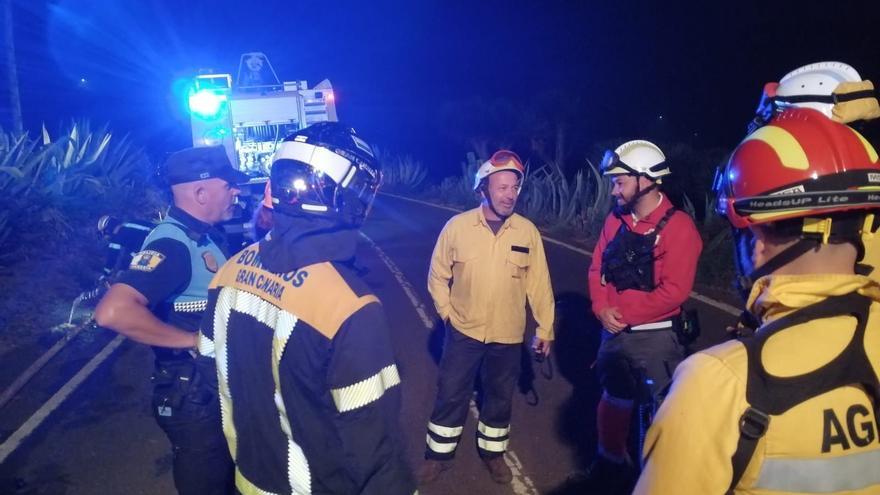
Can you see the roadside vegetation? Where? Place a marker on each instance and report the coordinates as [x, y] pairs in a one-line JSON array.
[[55, 185], [571, 202], [53, 188]]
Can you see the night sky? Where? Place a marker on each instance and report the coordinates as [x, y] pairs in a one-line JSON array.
[[406, 73]]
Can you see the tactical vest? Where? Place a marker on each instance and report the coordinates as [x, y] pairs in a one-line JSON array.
[[771, 395], [202, 254], [628, 260]]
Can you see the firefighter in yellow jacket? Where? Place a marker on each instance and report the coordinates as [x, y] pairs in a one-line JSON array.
[[793, 409], [495, 261], [839, 92]]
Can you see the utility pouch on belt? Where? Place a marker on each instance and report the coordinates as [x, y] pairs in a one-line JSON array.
[[172, 382], [687, 326]]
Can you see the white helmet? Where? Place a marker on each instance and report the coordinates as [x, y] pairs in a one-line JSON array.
[[501, 160], [833, 88], [636, 158], [811, 86]]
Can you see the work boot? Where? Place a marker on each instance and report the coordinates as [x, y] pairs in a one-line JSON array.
[[498, 469], [430, 470]]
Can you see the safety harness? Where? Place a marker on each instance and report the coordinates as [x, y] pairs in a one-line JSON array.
[[628, 260], [770, 395]]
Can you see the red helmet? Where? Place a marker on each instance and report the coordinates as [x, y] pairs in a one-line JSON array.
[[801, 164]]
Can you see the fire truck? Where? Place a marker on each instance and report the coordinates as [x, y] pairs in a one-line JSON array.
[[252, 114]]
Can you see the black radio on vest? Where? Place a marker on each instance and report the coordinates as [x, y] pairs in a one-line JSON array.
[[628, 260]]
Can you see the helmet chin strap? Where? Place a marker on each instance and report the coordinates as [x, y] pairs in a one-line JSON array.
[[629, 205], [745, 281], [785, 257], [842, 228]]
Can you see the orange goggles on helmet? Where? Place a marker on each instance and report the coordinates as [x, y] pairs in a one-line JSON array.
[[506, 158]]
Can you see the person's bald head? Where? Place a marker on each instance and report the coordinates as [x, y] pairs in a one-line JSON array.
[[204, 182], [211, 200]]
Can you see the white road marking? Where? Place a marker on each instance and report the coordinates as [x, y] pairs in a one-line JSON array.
[[14, 441], [37, 365], [694, 295], [426, 203], [521, 484], [407, 287], [717, 304]]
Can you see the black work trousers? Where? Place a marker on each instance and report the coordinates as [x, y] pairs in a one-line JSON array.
[[187, 408], [498, 366], [632, 362]]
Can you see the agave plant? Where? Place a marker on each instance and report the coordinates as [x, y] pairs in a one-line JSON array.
[[48, 186], [459, 190], [599, 203], [401, 172], [578, 204], [75, 162], [20, 164]]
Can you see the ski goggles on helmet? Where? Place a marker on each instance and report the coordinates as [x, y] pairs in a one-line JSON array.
[[501, 160], [612, 165], [507, 159]]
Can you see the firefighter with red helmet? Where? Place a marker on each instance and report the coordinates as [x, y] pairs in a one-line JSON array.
[[794, 408], [837, 90]]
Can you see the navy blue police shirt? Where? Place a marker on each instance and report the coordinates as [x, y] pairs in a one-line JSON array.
[[174, 268]]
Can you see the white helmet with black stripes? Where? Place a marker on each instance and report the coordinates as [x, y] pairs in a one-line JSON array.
[[636, 157]]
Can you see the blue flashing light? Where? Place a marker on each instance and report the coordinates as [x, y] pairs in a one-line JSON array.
[[206, 103]]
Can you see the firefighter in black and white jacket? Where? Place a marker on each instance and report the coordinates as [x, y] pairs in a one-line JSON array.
[[308, 383]]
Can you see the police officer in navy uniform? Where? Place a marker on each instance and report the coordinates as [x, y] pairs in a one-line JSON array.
[[159, 301]]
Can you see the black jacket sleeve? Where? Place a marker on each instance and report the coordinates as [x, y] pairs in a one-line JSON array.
[[160, 270], [365, 385]]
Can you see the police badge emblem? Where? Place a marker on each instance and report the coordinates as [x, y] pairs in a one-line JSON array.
[[210, 262], [146, 261]]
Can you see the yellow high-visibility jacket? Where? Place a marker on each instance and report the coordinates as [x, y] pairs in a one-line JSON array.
[[828, 444], [491, 278]]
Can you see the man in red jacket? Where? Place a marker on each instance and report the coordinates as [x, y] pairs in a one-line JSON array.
[[642, 272]]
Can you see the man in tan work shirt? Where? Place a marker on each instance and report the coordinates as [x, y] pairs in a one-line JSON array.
[[495, 260]]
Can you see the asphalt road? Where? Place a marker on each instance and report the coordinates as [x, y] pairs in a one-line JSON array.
[[102, 438]]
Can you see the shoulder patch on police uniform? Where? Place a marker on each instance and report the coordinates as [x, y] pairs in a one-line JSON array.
[[146, 261], [210, 261]]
